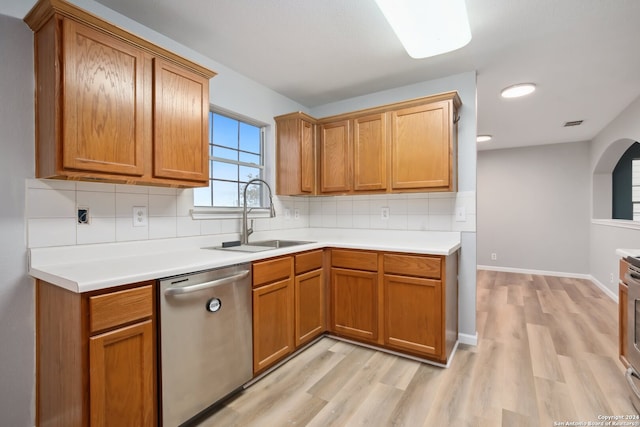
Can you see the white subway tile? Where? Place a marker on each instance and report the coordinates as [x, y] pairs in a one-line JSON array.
[[166, 191], [329, 221], [132, 189], [51, 184], [230, 226], [125, 231], [100, 204], [375, 222], [162, 205], [440, 222], [209, 226], [344, 221], [418, 206], [417, 222], [315, 220], [99, 230], [361, 207], [440, 206], [95, 187], [344, 207], [397, 207], [45, 232], [187, 226], [184, 202], [397, 222], [329, 206], [126, 201], [162, 227], [51, 203], [361, 221]]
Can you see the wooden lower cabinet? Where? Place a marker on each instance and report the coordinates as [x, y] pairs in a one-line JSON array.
[[354, 303], [272, 323], [413, 314], [309, 306], [122, 377], [96, 357]]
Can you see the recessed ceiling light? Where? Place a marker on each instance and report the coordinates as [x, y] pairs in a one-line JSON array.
[[518, 90], [483, 138], [428, 27]]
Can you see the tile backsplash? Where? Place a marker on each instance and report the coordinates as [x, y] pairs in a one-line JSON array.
[[52, 213]]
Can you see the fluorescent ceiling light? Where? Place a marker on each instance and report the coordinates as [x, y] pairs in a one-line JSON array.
[[483, 138], [518, 90], [428, 27]]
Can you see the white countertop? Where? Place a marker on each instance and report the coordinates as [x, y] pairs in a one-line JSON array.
[[628, 252], [85, 268]]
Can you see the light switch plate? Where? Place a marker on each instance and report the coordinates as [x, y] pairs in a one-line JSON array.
[[384, 213], [461, 214]]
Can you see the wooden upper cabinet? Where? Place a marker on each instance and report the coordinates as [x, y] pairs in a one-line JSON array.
[[370, 153], [421, 147], [295, 155], [102, 90], [113, 107], [181, 123], [335, 157]]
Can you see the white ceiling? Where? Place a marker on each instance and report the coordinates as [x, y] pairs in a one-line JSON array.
[[582, 54]]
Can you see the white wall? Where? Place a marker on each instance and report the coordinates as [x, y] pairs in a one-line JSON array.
[[533, 208], [424, 217], [17, 335], [606, 149]]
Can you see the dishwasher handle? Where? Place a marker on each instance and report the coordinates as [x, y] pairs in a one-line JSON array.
[[200, 286]]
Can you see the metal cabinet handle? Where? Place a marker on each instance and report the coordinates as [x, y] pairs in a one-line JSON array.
[[206, 285]]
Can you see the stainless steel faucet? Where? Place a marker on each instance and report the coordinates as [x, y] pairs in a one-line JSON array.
[[247, 231]]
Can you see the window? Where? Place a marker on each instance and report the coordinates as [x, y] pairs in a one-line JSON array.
[[236, 156], [625, 178]]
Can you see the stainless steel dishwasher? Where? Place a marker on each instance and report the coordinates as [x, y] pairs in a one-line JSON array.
[[205, 340]]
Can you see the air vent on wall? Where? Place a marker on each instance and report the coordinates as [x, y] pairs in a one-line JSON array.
[[573, 123]]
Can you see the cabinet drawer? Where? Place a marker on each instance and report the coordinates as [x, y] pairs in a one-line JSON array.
[[356, 260], [308, 261], [272, 270], [117, 308], [411, 265]]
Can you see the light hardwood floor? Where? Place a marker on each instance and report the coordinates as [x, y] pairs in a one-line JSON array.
[[547, 352]]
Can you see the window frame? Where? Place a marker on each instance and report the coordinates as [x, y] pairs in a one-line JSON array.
[[204, 212]]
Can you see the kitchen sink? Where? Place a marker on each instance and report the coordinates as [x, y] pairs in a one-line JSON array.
[[260, 245]]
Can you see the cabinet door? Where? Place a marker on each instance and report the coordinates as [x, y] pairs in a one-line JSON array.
[[335, 157], [103, 104], [354, 303], [307, 158], [370, 153], [421, 150], [309, 306], [181, 123], [121, 378], [272, 323], [413, 314]]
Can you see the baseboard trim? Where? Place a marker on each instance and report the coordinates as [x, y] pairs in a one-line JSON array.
[[608, 292], [468, 339]]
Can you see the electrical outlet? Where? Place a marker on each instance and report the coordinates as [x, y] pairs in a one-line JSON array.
[[140, 216], [384, 213], [287, 214], [611, 278], [83, 215], [296, 214], [494, 256]]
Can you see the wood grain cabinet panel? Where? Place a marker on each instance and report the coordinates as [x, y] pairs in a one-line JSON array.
[[421, 150], [272, 323], [354, 303], [181, 123], [370, 153], [122, 377], [413, 315], [295, 155], [335, 157], [103, 102], [113, 107], [99, 379], [309, 306]]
